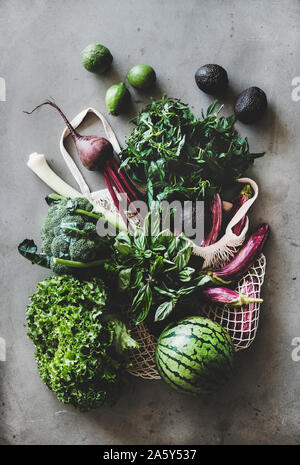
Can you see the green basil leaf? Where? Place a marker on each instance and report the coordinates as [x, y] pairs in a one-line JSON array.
[[186, 274], [124, 249], [164, 310], [137, 279], [138, 299], [148, 253], [140, 240], [202, 280], [183, 257], [152, 223], [123, 243], [169, 292], [124, 278], [156, 266], [172, 247], [186, 290], [162, 241], [142, 303]]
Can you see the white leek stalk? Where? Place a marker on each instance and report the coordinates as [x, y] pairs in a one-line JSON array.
[[38, 164]]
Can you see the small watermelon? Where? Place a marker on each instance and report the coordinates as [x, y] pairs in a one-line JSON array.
[[195, 355]]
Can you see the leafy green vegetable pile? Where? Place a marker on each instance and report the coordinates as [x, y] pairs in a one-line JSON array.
[[80, 347], [153, 266], [180, 156], [154, 269], [82, 344]]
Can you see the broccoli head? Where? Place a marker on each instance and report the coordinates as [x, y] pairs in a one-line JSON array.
[[57, 268], [83, 250], [52, 220], [84, 204], [60, 246], [68, 234], [70, 241]]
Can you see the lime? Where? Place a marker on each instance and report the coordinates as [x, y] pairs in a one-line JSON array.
[[116, 98], [96, 58], [141, 76]]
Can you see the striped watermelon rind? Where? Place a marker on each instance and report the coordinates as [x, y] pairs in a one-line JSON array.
[[195, 355]]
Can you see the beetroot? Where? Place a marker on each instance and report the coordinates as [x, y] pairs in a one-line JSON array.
[[96, 153]]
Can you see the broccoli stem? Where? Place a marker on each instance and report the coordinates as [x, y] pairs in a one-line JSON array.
[[97, 216], [105, 215], [78, 231], [73, 264]]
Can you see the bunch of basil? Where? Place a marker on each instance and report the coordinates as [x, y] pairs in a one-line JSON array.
[[154, 269]]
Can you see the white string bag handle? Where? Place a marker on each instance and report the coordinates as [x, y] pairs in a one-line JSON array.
[[98, 195], [217, 254]]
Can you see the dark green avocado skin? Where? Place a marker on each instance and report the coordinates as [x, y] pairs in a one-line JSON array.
[[212, 79], [250, 105]]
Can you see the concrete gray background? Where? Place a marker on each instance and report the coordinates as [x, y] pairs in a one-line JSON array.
[[259, 44]]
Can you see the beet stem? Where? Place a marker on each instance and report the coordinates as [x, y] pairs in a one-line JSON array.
[[123, 177], [116, 180], [113, 195], [121, 189], [73, 132]]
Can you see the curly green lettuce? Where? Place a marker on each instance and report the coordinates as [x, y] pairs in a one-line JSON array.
[[81, 349]]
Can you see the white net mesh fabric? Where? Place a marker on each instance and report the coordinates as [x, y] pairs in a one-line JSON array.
[[143, 360], [219, 256], [103, 199], [242, 322]]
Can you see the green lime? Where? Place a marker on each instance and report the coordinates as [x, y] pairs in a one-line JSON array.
[[116, 98], [141, 76], [96, 58]]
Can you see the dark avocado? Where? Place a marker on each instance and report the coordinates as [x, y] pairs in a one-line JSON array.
[[212, 79], [250, 105]]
